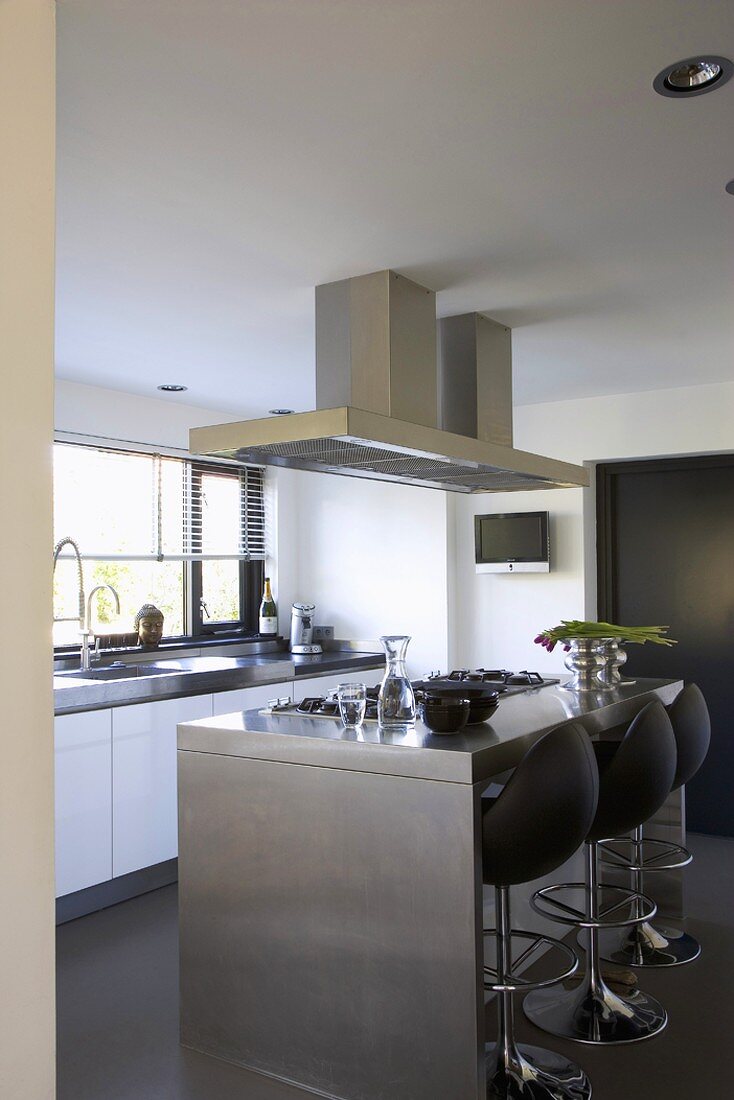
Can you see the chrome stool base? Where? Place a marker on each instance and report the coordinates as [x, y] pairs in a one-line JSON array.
[[593, 1014], [511, 980], [647, 946], [608, 903], [514, 1071], [644, 945], [638, 853], [531, 1073]]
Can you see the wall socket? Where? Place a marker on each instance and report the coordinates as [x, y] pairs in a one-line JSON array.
[[323, 633]]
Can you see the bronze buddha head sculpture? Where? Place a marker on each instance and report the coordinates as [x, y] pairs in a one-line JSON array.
[[149, 625]]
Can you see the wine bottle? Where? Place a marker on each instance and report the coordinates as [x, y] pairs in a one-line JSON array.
[[268, 611]]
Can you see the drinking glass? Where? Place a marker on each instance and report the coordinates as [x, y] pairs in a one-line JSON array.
[[352, 700]]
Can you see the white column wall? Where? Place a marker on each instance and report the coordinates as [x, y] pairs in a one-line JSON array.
[[27, 981]]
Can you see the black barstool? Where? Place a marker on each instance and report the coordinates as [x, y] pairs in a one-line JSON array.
[[644, 944], [635, 778], [535, 824]]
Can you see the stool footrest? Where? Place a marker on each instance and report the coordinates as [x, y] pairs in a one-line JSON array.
[[614, 906], [648, 854], [512, 981]]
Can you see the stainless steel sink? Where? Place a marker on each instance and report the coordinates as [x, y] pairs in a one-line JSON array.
[[121, 672], [201, 664], [184, 666], [119, 684]]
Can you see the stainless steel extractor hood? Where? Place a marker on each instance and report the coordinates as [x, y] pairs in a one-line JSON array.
[[389, 408]]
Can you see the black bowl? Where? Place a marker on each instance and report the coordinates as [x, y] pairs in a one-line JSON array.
[[481, 709], [461, 689], [445, 714]]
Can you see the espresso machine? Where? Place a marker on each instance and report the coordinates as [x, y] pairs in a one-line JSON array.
[[302, 616]]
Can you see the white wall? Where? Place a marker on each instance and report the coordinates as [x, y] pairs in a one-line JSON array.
[[159, 421], [379, 558], [27, 983], [494, 618], [689, 420], [371, 556]]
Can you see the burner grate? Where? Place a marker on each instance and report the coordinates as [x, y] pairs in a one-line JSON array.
[[499, 677]]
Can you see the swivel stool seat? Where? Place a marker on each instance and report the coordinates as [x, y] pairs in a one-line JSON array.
[[635, 778], [535, 824], [644, 944]]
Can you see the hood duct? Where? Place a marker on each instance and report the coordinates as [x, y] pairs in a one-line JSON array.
[[389, 408]]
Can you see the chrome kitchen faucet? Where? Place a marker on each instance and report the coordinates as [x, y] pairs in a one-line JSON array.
[[84, 617], [66, 618], [87, 631]]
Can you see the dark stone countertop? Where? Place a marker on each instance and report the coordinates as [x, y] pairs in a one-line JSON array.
[[170, 678], [319, 663]]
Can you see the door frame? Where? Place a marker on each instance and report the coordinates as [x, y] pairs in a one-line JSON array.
[[606, 577]]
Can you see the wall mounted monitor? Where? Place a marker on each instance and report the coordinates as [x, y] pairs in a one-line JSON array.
[[512, 542]]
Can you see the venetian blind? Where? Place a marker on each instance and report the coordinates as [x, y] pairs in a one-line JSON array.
[[123, 505]]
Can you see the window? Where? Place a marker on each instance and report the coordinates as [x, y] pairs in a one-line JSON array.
[[187, 536]]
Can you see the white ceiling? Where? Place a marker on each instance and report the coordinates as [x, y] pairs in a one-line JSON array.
[[219, 158]]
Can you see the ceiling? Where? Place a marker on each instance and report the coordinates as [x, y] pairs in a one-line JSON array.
[[219, 158]]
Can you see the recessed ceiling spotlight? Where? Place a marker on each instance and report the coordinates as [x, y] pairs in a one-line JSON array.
[[172, 387], [693, 76], [280, 412], [730, 187]]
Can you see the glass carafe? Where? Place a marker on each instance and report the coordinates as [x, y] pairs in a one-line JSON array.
[[396, 701]]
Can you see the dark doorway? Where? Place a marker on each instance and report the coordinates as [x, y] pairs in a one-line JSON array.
[[665, 550]]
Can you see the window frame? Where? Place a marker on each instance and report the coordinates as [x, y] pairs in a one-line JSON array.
[[251, 571], [251, 580]]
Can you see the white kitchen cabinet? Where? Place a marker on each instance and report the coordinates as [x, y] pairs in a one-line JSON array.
[[83, 767], [116, 782], [144, 788], [227, 702]]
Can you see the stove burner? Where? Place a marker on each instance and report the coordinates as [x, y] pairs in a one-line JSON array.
[[323, 706], [524, 677], [496, 677], [313, 704]]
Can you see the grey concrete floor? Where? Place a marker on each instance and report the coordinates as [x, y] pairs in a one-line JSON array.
[[118, 1009]]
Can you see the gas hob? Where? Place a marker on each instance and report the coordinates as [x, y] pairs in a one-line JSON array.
[[498, 679], [321, 706], [475, 682]]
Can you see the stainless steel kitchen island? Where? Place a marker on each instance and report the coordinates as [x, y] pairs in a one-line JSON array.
[[331, 892]]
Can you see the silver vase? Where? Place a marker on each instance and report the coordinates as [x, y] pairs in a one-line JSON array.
[[614, 657], [584, 660]]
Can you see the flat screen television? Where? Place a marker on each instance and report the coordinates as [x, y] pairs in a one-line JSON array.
[[512, 542]]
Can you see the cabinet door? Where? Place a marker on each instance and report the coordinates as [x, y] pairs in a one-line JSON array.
[[144, 788], [83, 767], [227, 702]]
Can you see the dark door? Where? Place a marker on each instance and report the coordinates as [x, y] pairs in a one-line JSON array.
[[665, 537]]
